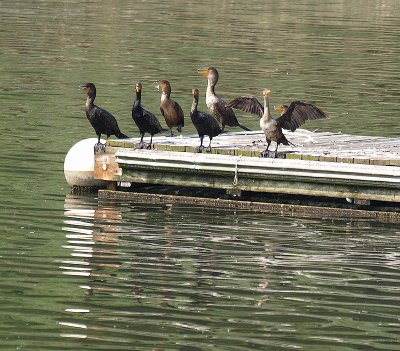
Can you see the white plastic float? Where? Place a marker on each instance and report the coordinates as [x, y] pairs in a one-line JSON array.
[[79, 165]]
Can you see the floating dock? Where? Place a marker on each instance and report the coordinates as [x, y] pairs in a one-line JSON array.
[[360, 169]]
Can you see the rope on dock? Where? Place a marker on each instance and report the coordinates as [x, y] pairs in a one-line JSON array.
[[235, 178]]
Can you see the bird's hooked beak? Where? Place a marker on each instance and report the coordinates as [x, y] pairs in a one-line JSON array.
[[203, 71], [266, 92], [84, 89], [280, 109]]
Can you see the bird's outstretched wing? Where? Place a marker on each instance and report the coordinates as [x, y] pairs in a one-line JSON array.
[[298, 113], [247, 104]]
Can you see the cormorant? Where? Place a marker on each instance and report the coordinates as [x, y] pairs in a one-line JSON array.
[[216, 105], [101, 120], [204, 123], [145, 120], [292, 117], [169, 108]]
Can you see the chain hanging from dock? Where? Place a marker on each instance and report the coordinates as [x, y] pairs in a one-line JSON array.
[[235, 178]]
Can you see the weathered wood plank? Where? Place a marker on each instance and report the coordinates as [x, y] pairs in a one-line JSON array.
[[322, 164], [311, 188], [324, 146], [259, 174], [255, 206], [106, 167]]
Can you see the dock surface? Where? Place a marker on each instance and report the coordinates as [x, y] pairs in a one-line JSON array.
[[329, 147], [321, 164]]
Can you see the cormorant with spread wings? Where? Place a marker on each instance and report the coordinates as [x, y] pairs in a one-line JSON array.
[[292, 117]]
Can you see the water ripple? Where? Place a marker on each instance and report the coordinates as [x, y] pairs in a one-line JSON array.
[[163, 279], [82, 273]]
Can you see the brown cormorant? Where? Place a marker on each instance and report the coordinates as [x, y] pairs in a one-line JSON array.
[[145, 120], [291, 118], [169, 108], [101, 120], [216, 105], [205, 123]]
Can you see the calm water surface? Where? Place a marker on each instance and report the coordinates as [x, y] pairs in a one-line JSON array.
[[80, 273]]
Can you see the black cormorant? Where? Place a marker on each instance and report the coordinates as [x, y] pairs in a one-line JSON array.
[[101, 120], [205, 123], [145, 120]]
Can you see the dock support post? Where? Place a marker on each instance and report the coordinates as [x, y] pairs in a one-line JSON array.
[[112, 185], [234, 192], [362, 202]]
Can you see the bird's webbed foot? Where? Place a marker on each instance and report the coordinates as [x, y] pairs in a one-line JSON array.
[[139, 145], [98, 147], [208, 148], [148, 146], [198, 149], [267, 153]]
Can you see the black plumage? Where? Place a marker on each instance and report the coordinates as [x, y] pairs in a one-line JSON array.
[[297, 113], [145, 120], [205, 123], [101, 120], [247, 104]]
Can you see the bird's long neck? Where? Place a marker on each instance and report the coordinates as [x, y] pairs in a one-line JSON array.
[[90, 100], [138, 98], [195, 102], [166, 93], [212, 82], [267, 114]]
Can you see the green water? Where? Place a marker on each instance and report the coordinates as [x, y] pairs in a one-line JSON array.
[[83, 274]]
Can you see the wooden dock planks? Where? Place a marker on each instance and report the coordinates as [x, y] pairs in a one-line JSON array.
[[321, 164], [329, 147], [256, 206]]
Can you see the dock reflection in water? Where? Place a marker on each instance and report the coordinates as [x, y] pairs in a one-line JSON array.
[[191, 278], [143, 277]]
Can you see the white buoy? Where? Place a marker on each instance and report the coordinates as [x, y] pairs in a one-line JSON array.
[[79, 165]]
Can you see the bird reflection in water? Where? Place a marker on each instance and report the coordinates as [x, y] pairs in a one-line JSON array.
[[153, 255], [93, 237]]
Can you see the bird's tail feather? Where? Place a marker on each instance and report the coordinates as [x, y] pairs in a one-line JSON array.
[[121, 136], [288, 143], [284, 141], [244, 128]]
